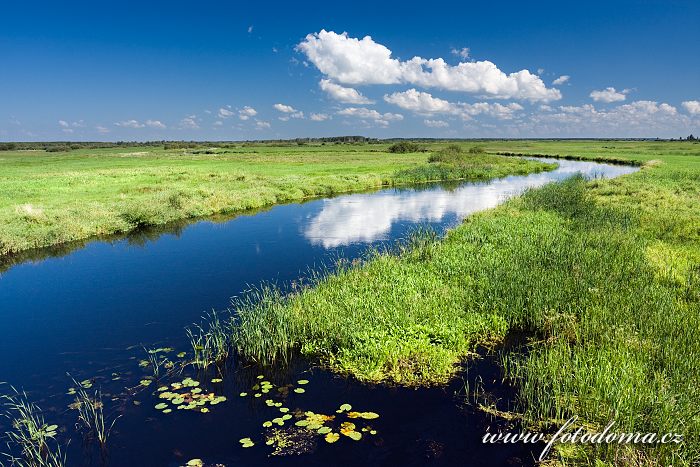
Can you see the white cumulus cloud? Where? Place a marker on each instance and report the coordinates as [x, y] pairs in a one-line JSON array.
[[261, 124], [155, 124], [424, 103], [355, 61], [462, 53], [370, 115], [563, 79], [289, 111], [692, 107], [608, 95], [436, 123], [247, 112], [343, 94], [189, 123], [419, 102], [130, 124], [225, 113], [319, 117]]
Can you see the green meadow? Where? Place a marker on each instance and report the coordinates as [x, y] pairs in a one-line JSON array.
[[603, 276], [49, 198]]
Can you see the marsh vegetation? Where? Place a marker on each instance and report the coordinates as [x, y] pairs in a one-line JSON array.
[[602, 276]]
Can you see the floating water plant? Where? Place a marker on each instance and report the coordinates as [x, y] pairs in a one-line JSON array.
[[344, 408], [246, 442], [192, 397]]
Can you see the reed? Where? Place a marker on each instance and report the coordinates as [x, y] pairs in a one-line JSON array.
[[30, 436], [91, 415], [210, 341]]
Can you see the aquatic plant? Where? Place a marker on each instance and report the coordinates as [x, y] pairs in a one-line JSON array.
[[30, 434], [91, 415], [210, 341], [602, 274]]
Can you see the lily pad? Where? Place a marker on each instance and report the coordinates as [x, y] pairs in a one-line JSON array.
[[243, 394], [344, 408], [332, 437], [167, 410], [284, 409], [323, 430], [299, 390], [161, 406], [195, 463], [303, 381], [216, 380], [267, 424]]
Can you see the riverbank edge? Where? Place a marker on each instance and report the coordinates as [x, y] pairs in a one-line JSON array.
[[322, 187]]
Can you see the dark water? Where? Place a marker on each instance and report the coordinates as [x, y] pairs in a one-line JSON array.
[[88, 312]]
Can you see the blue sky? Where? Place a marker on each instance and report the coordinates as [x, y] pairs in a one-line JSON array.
[[224, 70]]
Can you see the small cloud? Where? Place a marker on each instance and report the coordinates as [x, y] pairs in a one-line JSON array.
[[102, 130], [261, 124], [436, 123], [462, 53], [342, 93], [224, 113], [692, 107], [370, 115], [246, 112], [156, 124], [189, 123], [274, 50], [290, 112], [250, 29], [608, 95], [561, 80], [319, 117], [130, 124], [218, 123], [284, 108]]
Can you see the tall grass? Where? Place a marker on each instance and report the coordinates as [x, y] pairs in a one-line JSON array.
[[210, 341], [124, 188], [614, 336], [91, 415], [30, 435]]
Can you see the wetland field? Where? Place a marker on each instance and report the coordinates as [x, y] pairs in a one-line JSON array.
[[377, 303]]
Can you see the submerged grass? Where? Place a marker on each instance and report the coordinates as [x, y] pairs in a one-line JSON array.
[[604, 275]]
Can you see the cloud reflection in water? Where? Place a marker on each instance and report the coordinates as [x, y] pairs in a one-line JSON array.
[[364, 218]]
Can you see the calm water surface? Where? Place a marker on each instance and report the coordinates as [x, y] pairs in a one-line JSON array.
[[88, 313]]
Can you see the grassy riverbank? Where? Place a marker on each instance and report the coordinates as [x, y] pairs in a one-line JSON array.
[[48, 198], [605, 276]]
